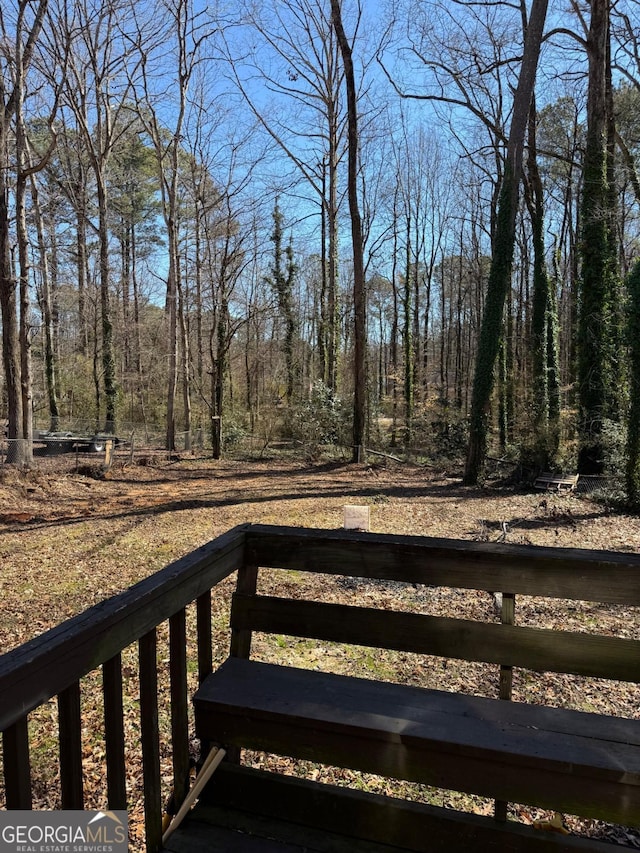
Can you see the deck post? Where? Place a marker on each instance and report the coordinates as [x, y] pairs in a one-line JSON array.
[[507, 617]]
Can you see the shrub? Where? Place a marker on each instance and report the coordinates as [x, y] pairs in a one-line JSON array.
[[441, 431], [234, 431], [319, 420]]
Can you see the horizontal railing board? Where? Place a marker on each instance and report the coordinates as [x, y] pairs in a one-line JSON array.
[[532, 648], [34, 672], [574, 573]]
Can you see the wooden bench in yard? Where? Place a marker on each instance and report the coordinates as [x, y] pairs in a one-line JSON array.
[[568, 761], [548, 481]]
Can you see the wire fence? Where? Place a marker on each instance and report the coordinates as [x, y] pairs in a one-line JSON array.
[[66, 447], [78, 439]]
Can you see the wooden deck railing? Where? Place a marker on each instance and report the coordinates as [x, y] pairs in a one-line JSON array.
[[53, 664]]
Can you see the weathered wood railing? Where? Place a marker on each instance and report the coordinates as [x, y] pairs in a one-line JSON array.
[[53, 664], [576, 762]]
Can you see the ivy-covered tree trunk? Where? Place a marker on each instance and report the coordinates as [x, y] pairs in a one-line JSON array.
[[281, 282], [597, 375], [633, 431], [491, 331], [502, 254], [617, 396], [546, 403]]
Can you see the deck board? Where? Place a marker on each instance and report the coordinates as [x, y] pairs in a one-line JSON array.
[[245, 810], [224, 830], [199, 836]]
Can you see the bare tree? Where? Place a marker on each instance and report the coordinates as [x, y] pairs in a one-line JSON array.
[[304, 68], [16, 324], [183, 31], [359, 289], [96, 92]]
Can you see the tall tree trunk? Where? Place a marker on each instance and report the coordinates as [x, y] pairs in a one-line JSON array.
[[46, 307], [198, 283], [172, 320], [502, 251], [546, 409], [323, 356], [219, 358], [185, 366], [332, 271], [108, 358], [359, 290], [407, 339], [82, 267], [395, 323], [9, 308], [26, 387]]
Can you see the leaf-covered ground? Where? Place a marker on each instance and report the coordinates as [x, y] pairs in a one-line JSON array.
[[70, 537]]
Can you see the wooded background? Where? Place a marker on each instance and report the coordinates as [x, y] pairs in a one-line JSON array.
[[288, 219]]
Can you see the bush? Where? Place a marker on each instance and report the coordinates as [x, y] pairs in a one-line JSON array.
[[614, 448], [234, 431], [320, 420], [442, 431]]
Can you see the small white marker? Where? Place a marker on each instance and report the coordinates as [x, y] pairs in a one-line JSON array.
[[356, 518]]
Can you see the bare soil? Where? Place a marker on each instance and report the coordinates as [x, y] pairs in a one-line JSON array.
[[71, 535]]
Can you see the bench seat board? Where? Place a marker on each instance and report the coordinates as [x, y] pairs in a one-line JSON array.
[[555, 758]]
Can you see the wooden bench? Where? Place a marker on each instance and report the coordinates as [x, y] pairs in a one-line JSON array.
[[564, 760], [548, 481]]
